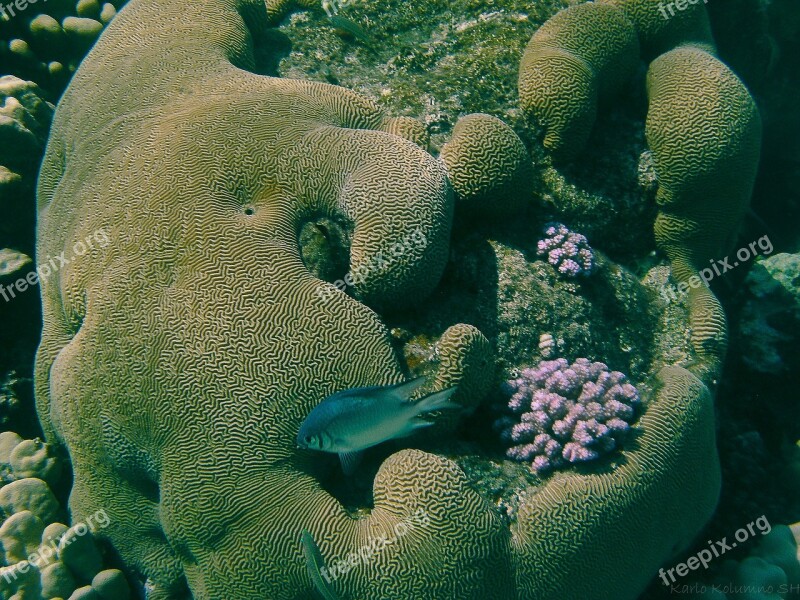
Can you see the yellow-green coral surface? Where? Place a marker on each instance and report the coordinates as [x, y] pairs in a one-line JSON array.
[[703, 129], [178, 360]]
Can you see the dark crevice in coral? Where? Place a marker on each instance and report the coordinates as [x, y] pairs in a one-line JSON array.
[[325, 247]]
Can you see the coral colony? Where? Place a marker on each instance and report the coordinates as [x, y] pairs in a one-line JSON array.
[[567, 251], [559, 413]]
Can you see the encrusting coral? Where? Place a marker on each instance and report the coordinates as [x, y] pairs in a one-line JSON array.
[[177, 362]]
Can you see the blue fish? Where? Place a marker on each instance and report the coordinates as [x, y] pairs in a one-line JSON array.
[[350, 421]]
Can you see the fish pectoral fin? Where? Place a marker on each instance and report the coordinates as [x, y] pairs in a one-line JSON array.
[[350, 461], [437, 401], [315, 565]]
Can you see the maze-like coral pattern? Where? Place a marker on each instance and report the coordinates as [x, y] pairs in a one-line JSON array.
[[582, 54], [705, 133], [675, 447], [488, 166], [703, 129], [178, 361], [658, 33]]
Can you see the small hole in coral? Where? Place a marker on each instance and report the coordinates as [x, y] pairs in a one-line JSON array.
[[249, 210]]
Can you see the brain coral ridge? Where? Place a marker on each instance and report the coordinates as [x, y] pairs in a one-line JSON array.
[[703, 127], [177, 362]]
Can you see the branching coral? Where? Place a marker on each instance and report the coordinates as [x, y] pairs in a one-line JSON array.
[[567, 251], [562, 413]]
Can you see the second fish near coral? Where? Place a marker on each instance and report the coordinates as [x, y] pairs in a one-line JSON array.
[[353, 420]]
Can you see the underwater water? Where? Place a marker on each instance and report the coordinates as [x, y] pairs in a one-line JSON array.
[[391, 300]]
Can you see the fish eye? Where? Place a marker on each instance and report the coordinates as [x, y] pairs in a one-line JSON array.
[[308, 439]]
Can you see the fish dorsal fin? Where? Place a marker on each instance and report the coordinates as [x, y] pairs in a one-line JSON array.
[[404, 391], [350, 461]]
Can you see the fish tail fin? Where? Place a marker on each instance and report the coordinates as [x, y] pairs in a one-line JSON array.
[[436, 401], [404, 391]]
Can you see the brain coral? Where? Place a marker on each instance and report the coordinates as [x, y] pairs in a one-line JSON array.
[[177, 362], [705, 133], [703, 129], [658, 34], [488, 166], [583, 53]]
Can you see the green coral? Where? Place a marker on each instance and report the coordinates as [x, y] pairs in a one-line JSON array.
[[592, 503], [488, 166], [299, 151], [705, 133], [770, 318], [24, 124], [657, 33], [582, 54], [771, 570], [48, 46], [54, 561], [703, 129], [177, 362], [40, 558]]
